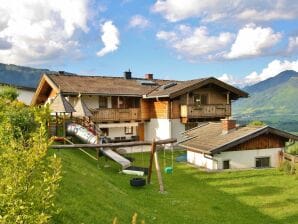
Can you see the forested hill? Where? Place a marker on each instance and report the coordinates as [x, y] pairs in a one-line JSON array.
[[20, 75], [273, 100]]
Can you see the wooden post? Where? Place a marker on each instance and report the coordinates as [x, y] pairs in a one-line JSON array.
[[153, 149], [159, 177], [97, 151], [56, 124]]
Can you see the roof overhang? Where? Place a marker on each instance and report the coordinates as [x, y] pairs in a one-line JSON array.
[[207, 81]]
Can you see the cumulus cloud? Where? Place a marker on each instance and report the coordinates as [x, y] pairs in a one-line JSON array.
[[138, 21], [272, 69], [253, 41], [110, 38], [293, 44], [33, 31], [218, 10], [194, 43]]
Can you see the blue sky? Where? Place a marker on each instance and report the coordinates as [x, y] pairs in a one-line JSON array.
[[241, 42]]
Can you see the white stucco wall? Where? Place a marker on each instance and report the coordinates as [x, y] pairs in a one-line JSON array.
[[91, 101], [158, 129], [238, 159], [176, 128], [199, 159], [120, 132], [25, 96], [247, 158]]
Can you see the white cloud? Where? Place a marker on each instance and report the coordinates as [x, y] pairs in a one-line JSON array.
[[110, 38], [218, 10], [293, 44], [194, 43], [228, 79], [272, 69], [34, 31], [253, 41], [139, 21]]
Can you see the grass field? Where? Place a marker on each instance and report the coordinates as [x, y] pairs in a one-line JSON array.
[[91, 195]]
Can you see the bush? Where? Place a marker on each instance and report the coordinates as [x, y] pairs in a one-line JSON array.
[[293, 149], [9, 93], [256, 123], [29, 179]]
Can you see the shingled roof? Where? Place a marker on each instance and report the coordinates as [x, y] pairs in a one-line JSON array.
[[179, 88], [208, 137], [102, 85]]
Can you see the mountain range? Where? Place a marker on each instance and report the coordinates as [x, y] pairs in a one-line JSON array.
[[20, 75], [273, 101]]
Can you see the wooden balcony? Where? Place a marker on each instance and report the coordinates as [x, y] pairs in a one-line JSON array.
[[116, 115], [205, 111]]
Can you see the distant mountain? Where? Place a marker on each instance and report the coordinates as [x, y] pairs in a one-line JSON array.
[[20, 76], [274, 101]]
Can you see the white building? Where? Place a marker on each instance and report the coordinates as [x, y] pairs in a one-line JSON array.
[[222, 145]]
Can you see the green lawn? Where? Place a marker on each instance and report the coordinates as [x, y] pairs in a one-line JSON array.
[[91, 195]]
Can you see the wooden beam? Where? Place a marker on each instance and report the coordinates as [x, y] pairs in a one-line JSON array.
[[153, 149], [159, 177], [114, 145]]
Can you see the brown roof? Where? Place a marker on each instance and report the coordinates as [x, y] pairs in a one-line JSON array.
[[102, 85], [61, 105], [209, 138], [74, 84], [179, 88]]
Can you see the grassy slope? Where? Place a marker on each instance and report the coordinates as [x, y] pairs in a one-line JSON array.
[[91, 195]]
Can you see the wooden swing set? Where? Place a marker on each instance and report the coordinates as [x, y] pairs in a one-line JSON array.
[[153, 154]]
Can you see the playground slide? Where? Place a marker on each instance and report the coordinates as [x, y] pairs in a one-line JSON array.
[[88, 137]]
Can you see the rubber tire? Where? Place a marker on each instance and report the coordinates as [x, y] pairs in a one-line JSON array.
[[137, 182]]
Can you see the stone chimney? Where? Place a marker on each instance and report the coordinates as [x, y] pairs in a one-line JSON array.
[[149, 76], [228, 125]]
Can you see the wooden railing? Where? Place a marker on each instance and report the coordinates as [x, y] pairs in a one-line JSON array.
[[205, 111], [116, 115]]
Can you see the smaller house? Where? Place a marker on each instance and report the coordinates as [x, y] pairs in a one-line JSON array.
[[25, 93], [223, 145]]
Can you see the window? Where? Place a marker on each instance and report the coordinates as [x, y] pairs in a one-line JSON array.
[[262, 162], [102, 102], [200, 99], [226, 164], [128, 130]]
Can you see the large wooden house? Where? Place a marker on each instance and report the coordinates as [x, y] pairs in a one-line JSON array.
[[142, 108]]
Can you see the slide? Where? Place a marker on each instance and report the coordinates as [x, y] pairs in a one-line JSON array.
[[88, 137]]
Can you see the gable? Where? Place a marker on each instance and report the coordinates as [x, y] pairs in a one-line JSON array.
[[264, 141]]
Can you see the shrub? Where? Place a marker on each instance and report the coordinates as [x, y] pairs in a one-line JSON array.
[[9, 93], [293, 148], [29, 178], [256, 123]]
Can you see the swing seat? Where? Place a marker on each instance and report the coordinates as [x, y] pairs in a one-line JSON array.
[[168, 169]]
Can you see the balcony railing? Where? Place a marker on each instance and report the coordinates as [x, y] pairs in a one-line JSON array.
[[205, 111], [116, 115]]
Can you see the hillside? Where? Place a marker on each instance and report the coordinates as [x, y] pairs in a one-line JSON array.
[[20, 75], [88, 194], [273, 100]]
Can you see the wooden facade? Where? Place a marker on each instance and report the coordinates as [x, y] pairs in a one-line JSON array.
[[264, 141], [116, 115]]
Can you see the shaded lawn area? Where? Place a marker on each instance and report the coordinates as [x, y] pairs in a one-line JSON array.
[[91, 195]]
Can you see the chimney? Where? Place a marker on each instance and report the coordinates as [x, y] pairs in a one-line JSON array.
[[149, 76], [61, 72], [127, 74], [228, 125]]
